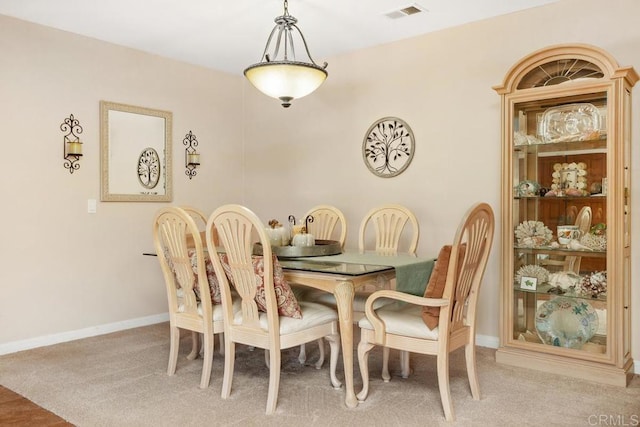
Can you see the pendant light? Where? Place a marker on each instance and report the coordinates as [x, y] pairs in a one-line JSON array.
[[283, 77]]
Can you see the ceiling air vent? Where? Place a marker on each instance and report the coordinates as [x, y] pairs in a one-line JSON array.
[[405, 11]]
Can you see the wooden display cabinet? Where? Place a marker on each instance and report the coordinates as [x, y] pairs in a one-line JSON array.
[[566, 136]]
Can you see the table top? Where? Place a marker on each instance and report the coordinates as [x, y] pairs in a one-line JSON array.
[[315, 265], [412, 273]]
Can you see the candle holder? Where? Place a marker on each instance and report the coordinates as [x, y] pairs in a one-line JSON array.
[[191, 156], [72, 146]]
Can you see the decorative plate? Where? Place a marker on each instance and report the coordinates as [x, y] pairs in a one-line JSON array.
[[566, 322], [388, 146], [571, 122]]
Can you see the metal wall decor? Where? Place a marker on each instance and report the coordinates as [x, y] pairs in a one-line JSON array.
[[388, 147], [149, 168], [72, 150], [191, 156]]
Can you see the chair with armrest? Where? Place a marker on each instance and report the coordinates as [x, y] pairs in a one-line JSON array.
[[188, 293], [436, 325], [277, 325]]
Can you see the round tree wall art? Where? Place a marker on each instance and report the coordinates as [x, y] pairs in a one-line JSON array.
[[388, 147]]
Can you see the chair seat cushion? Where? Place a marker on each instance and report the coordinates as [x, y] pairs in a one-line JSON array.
[[217, 311], [313, 314], [402, 319]]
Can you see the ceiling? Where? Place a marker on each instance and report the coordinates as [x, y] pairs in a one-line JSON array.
[[230, 35]]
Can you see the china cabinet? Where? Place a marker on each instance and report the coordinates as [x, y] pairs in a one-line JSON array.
[[565, 280]]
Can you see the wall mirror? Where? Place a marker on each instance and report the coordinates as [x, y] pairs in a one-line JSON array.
[[135, 146]]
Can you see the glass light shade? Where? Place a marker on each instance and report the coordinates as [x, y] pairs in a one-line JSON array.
[[285, 80]]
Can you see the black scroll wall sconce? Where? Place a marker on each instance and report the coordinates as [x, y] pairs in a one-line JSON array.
[[191, 156], [72, 144]]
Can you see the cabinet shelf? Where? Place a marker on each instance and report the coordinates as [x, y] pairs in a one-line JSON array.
[[549, 250], [560, 198], [599, 144], [546, 290]]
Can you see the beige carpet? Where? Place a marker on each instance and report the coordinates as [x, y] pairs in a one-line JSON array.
[[120, 380]]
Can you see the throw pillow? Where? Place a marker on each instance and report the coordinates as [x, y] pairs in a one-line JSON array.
[[214, 286], [437, 282], [287, 302]]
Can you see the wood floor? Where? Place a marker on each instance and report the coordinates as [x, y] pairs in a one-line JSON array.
[[16, 410]]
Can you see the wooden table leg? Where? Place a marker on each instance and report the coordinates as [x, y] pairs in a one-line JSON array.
[[344, 299]]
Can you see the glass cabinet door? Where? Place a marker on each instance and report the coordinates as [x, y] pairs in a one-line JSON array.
[[559, 158]]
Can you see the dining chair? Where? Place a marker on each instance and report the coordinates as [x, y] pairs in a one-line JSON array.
[[436, 324], [188, 292], [329, 223], [388, 223], [326, 219], [201, 222], [254, 280], [382, 230]]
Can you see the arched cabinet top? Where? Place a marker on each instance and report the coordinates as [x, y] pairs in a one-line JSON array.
[[558, 64]]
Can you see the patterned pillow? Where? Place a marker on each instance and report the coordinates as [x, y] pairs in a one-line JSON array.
[[214, 286], [437, 282], [287, 303]]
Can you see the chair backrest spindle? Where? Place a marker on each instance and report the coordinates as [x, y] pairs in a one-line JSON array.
[[388, 222]]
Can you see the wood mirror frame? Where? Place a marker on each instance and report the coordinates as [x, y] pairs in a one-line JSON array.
[[135, 149]]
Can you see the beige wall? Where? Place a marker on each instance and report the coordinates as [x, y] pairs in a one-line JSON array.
[[62, 268], [441, 84]]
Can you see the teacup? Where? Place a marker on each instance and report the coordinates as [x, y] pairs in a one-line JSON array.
[[567, 233]]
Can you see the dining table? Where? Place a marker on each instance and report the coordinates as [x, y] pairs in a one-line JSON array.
[[342, 274]]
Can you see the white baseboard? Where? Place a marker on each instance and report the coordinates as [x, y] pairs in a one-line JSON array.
[[15, 346], [487, 341]]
